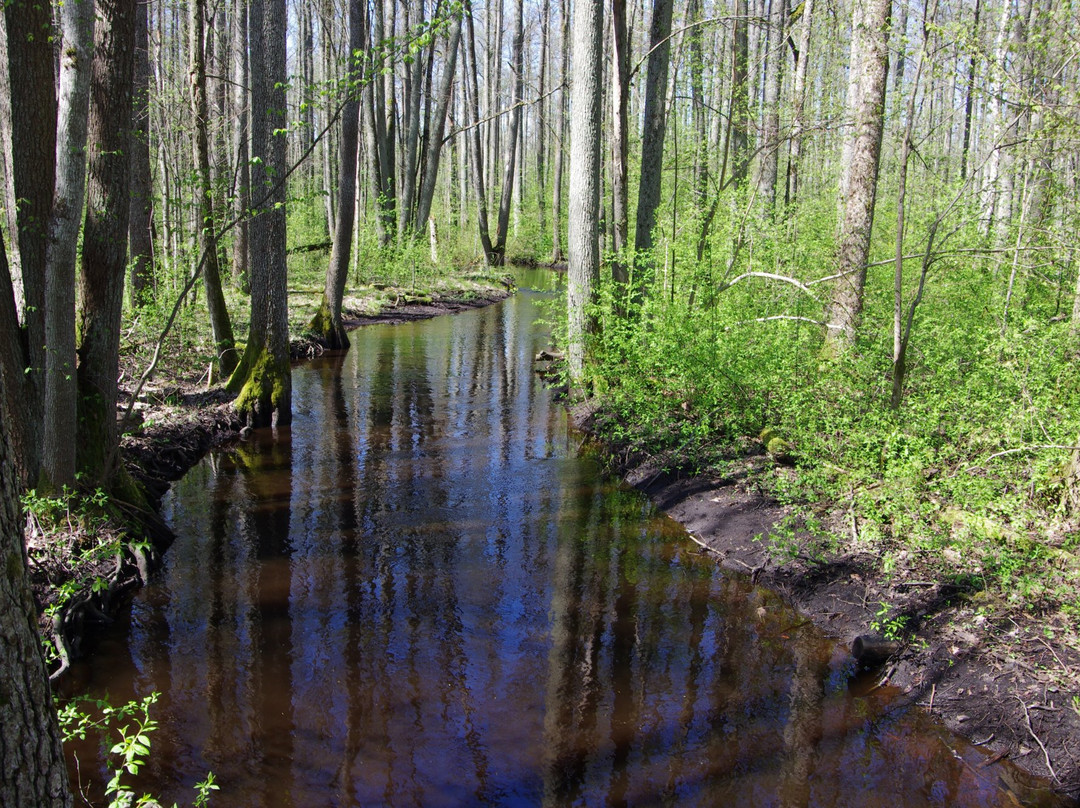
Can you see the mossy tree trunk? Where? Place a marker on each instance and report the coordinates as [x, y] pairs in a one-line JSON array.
[[263, 381]]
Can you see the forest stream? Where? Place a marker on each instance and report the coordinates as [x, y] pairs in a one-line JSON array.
[[426, 592]]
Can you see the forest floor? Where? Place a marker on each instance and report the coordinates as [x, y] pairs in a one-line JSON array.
[[1006, 680]]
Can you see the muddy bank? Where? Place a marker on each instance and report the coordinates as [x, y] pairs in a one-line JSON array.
[[998, 677]]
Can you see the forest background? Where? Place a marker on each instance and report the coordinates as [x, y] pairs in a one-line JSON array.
[[844, 233]]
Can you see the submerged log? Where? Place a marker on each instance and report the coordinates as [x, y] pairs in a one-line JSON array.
[[872, 650]]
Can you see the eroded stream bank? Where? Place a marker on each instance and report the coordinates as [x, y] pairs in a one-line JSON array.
[[421, 593]]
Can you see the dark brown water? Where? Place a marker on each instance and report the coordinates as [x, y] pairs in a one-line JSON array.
[[422, 594]]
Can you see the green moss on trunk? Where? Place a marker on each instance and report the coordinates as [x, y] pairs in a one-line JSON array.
[[326, 327], [263, 387]]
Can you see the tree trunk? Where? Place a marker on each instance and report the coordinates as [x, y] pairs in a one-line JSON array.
[[970, 99], [472, 90], [33, 771], [33, 140], [560, 150], [76, 48], [242, 110], [739, 119], [104, 252], [620, 128], [406, 222], [8, 158], [438, 125], [584, 214], [858, 45], [263, 379], [798, 124], [141, 224], [697, 103], [770, 129], [858, 219], [326, 325], [541, 116], [220, 325], [652, 142], [510, 166]]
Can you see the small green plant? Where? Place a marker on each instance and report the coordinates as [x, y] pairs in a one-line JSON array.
[[129, 728], [891, 628]]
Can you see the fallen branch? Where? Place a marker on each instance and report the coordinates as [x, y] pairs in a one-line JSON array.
[[784, 317], [772, 276], [1046, 755]]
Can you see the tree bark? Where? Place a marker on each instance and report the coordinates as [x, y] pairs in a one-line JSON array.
[[770, 128], [584, 215], [620, 127], [220, 324], [798, 123], [327, 325], [739, 119], [406, 222], [861, 190], [263, 379], [33, 771], [76, 49], [560, 149], [141, 224], [502, 228], [33, 140], [473, 91], [104, 253], [241, 147], [433, 153], [652, 141], [851, 104]]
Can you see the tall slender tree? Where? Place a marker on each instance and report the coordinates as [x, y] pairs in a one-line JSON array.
[[654, 129], [326, 324], [584, 215], [220, 323], [141, 224], [76, 20], [262, 381]]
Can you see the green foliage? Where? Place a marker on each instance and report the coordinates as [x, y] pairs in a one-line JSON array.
[[125, 732], [706, 367], [889, 625]]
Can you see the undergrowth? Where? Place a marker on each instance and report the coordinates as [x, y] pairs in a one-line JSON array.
[[975, 477]]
